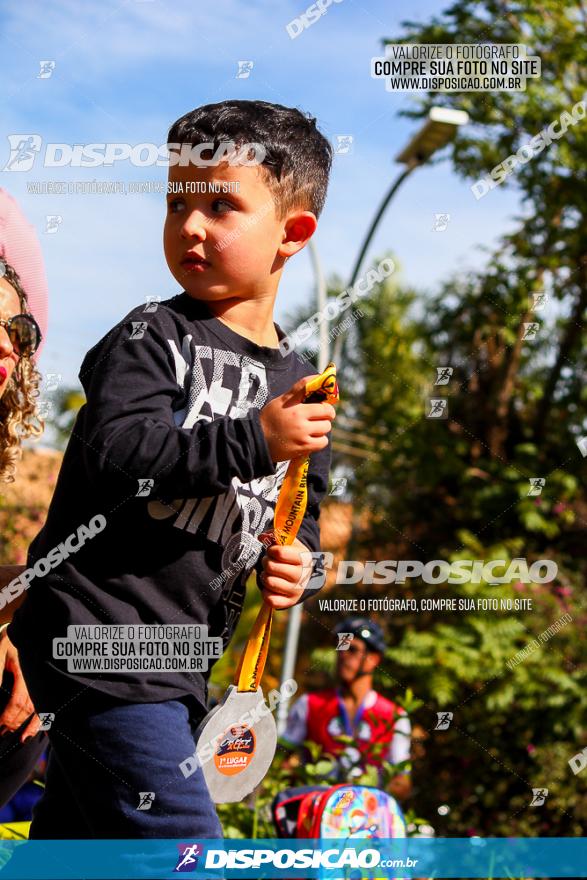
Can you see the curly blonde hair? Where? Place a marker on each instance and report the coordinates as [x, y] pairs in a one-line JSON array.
[[19, 418]]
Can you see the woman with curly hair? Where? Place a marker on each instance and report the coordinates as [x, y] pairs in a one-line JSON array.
[[20, 337], [23, 289]]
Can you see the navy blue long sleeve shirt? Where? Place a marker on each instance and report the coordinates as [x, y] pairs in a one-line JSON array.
[[169, 450]]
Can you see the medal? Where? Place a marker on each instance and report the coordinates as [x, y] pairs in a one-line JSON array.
[[239, 736]]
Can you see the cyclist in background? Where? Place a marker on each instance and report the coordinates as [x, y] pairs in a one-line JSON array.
[[353, 708]]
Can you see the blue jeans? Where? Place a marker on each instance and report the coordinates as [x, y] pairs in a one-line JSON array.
[[107, 757]]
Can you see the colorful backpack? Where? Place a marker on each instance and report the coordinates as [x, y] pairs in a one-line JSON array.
[[338, 811]]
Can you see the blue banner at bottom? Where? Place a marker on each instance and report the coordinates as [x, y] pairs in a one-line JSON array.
[[352, 859]]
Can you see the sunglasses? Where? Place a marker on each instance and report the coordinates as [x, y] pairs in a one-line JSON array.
[[24, 334]]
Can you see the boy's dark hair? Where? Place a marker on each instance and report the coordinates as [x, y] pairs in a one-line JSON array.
[[298, 157]]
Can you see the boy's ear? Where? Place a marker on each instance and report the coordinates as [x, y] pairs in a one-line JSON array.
[[298, 230]]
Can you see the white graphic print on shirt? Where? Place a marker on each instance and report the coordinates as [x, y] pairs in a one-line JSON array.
[[223, 383]]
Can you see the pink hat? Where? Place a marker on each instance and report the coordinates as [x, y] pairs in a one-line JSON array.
[[20, 247]]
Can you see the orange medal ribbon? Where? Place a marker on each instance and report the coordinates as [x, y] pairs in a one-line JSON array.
[[289, 512]]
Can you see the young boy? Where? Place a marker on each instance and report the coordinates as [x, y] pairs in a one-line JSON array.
[[171, 473]]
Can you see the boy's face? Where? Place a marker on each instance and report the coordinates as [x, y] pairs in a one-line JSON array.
[[227, 244]]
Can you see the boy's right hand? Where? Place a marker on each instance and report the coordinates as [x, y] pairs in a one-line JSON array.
[[292, 427]]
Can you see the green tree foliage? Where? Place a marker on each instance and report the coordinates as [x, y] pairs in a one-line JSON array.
[[435, 489], [459, 488], [548, 250], [67, 402]]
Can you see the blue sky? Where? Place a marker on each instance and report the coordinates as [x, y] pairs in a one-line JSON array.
[[124, 71]]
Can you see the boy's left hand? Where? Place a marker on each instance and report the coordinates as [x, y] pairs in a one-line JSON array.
[[284, 576]]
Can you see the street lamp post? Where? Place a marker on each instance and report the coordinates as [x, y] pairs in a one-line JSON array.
[[439, 128], [321, 300], [294, 620]]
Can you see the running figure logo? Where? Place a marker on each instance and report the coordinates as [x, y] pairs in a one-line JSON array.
[[438, 408], [536, 485], [244, 69], [539, 796], [146, 799], [138, 329], [47, 719], [52, 223], [188, 857], [47, 68], [444, 719], [338, 486], [23, 151], [441, 222], [443, 375]]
